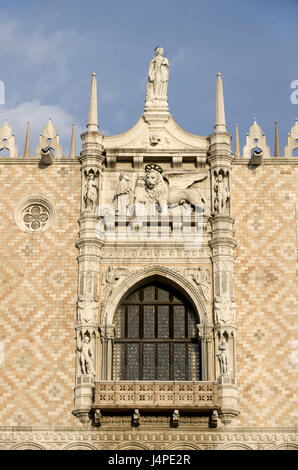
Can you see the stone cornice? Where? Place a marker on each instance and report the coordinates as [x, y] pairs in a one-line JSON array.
[[35, 161], [267, 161]]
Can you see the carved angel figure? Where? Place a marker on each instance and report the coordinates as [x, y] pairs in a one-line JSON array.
[[86, 356], [158, 76], [87, 309], [111, 276], [202, 278], [165, 191], [222, 309]]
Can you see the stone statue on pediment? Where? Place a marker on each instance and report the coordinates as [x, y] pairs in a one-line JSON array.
[[158, 76]]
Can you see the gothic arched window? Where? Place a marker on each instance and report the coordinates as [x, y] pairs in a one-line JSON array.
[[156, 337]]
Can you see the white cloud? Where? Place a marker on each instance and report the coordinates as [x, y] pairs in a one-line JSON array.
[[38, 116]]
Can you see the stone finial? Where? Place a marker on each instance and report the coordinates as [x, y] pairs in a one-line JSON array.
[[292, 141], [72, 152], [255, 139], [27, 142], [93, 115], [7, 140], [49, 142], [220, 122], [237, 146]]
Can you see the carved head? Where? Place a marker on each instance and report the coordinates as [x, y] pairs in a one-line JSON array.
[[153, 178], [158, 50], [154, 139], [86, 339], [124, 176]]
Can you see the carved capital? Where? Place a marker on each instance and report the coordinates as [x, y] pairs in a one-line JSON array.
[[205, 332]]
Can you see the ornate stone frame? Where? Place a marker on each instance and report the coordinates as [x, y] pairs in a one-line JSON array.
[[136, 278]]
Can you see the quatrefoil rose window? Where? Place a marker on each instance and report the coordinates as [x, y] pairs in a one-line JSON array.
[[34, 214], [36, 217]]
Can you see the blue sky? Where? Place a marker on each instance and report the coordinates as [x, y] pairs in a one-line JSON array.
[[50, 48]]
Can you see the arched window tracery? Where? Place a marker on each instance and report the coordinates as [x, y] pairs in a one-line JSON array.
[[156, 336]]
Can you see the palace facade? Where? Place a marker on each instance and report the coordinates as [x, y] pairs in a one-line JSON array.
[[149, 286]]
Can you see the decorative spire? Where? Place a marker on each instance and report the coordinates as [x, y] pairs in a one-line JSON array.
[[276, 152], [72, 152], [27, 142], [220, 124], [237, 147], [93, 117]]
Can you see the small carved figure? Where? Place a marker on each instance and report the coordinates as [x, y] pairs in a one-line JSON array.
[[123, 194], [158, 76], [90, 193], [175, 418], [202, 279], [136, 417], [214, 419], [97, 418], [111, 276], [222, 356], [86, 356], [222, 194]]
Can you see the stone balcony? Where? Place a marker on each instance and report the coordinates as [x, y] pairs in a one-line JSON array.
[[153, 395]]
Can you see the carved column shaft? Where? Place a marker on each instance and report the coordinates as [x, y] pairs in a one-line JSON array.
[[107, 339], [222, 246], [89, 245], [205, 336]]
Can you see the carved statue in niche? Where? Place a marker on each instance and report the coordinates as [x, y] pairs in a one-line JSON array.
[[158, 76], [90, 192], [86, 356], [222, 193], [123, 196], [223, 356], [158, 190]]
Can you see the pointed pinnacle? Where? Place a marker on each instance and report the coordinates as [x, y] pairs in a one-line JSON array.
[[27, 142], [220, 121]]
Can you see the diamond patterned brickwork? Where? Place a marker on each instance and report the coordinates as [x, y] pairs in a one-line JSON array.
[[38, 281], [264, 203]]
